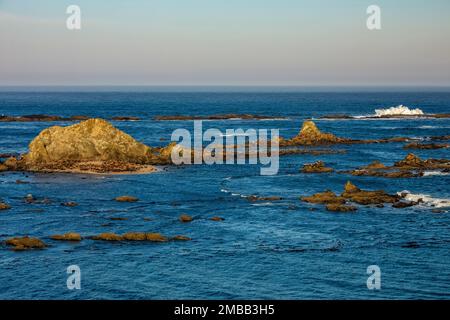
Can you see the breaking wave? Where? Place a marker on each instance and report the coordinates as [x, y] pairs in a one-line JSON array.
[[435, 173], [400, 110], [426, 200]]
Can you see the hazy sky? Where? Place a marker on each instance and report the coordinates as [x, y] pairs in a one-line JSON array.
[[225, 42]]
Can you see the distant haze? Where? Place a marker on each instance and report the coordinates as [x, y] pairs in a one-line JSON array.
[[232, 42]]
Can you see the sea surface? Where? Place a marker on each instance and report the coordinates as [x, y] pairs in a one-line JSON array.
[[265, 250]]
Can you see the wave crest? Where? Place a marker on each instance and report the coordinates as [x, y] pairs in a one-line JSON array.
[[426, 200], [400, 110]]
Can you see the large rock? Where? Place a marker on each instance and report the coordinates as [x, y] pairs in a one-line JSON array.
[[311, 135], [354, 194], [91, 145], [90, 140]]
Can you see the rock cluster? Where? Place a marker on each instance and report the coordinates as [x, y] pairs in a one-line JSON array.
[[425, 146], [353, 194], [411, 161], [138, 236], [411, 166], [316, 167], [310, 135]]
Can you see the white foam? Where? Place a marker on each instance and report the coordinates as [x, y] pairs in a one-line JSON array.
[[435, 173], [400, 110], [427, 200]]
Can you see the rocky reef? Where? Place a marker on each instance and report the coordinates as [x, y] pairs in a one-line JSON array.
[[53, 118], [310, 135], [411, 161], [138, 236], [91, 146], [352, 194], [217, 117], [411, 166], [426, 146]]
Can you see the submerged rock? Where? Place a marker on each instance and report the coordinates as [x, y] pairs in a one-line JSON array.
[[316, 167], [106, 236], [4, 206], [324, 198], [426, 146], [404, 204], [155, 237], [254, 198], [70, 236], [25, 243], [93, 145], [338, 207], [3, 167], [126, 199], [217, 219], [134, 236], [217, 117], [131, 236], [126, 118], [180, 238], [32, 200], [69, 204], [39, 118], [185, 218]]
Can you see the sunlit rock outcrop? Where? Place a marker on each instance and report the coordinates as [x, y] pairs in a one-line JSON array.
[[93, 145]]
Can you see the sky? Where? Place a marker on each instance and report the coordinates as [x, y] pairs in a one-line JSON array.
[[225, 42]]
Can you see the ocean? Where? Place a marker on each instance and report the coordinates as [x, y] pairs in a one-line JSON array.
[[284, 249]]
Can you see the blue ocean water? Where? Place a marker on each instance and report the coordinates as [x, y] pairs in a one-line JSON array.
[[264, 250]]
